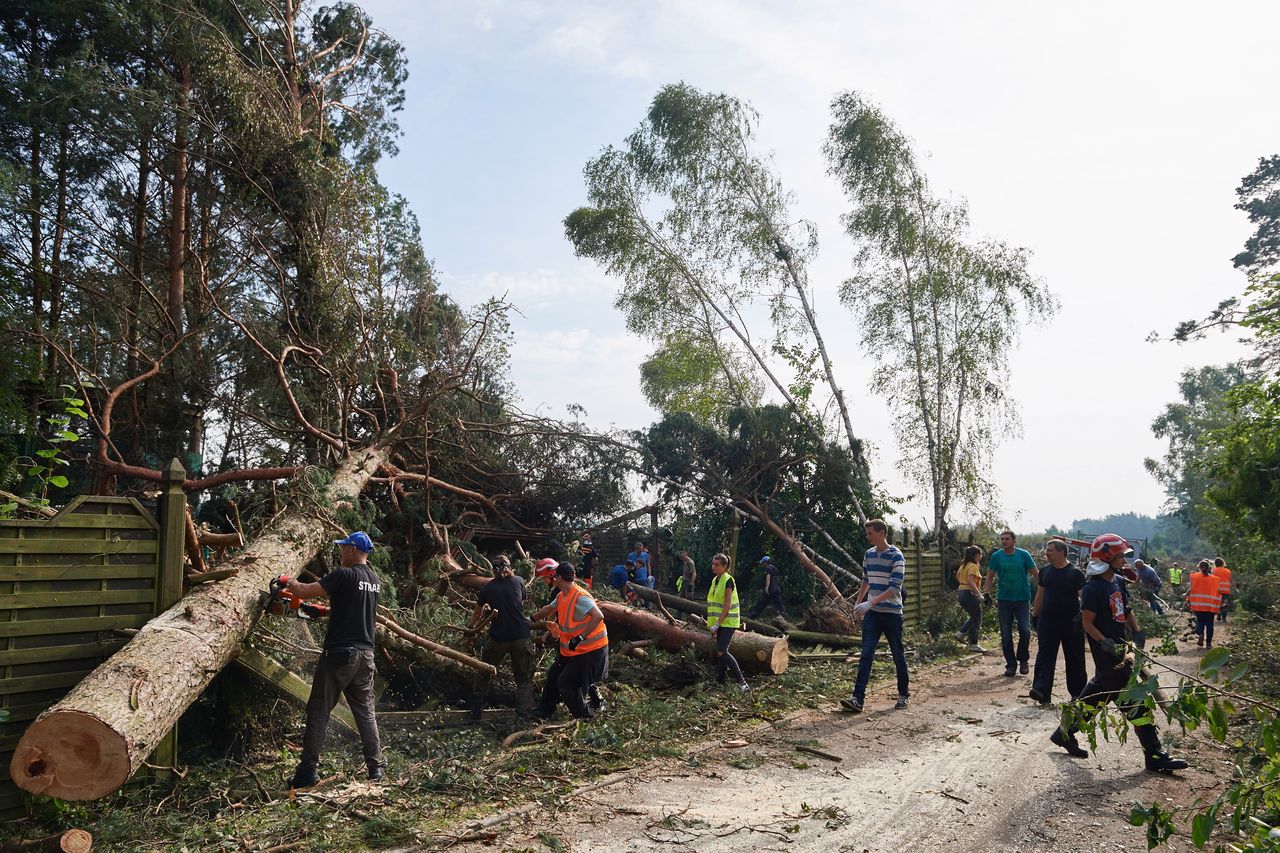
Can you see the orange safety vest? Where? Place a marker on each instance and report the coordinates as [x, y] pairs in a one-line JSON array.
[[570, 627], [1205, 596], [1223, 574]]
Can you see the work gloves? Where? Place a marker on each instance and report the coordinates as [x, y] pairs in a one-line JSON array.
[[861, 609], [986, 599], [1112, 648], [575, 642]]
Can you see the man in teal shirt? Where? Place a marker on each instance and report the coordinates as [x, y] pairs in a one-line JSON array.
[[1013, 567]]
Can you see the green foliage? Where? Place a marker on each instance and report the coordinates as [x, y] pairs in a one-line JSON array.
[[1209, 698]]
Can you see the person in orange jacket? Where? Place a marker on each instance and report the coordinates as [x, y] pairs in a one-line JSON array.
[[1205, 600], [1223, 574]]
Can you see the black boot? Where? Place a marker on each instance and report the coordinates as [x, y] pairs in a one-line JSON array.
[[1069, 743], [304, 777], [594, 700], [1157, 760]]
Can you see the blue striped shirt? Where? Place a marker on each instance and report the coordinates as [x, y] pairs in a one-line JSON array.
[[885, 569]]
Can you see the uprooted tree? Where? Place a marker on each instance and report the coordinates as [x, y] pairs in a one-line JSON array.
[[216, 273]]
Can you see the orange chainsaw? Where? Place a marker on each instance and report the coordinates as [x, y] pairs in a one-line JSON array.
[[281, 602]]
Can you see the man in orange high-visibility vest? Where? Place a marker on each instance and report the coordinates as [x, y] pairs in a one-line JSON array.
[[1205, 600], [1225, 588], [583, 657]]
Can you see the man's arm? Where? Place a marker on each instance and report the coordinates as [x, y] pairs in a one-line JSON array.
[[991, 579], [1035, 605], [862, 592], [306, 590]]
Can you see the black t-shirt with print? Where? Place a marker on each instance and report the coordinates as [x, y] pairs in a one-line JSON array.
[[1109, 602], [775, 577], [1061, 599], [353, 606]]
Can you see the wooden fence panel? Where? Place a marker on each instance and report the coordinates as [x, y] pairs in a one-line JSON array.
[[67, 584]]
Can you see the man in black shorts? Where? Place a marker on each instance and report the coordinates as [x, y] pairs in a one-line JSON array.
[[346, 664]]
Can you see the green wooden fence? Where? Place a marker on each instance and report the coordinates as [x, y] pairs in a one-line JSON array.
[[925, 587], [69, 585]]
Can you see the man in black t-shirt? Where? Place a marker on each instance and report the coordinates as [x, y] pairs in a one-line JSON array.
[[589, 557], [1056, 610], [346, 665], [772, 593], [1104, 615], [508, 635]]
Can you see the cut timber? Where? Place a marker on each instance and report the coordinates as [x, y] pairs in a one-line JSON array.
[[71, 841], [838, 641], [291, 683], [684, 605], [88, 744], [754, 653]]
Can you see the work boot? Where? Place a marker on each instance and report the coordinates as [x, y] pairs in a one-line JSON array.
[[1200, 642], [594, 700], [1157, 760], [1010, 672], [1022, 668], [304, 777], [1037, 694], [1069, 743], [376, 773]]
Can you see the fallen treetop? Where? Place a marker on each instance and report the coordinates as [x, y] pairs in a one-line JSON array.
[[87, 745]]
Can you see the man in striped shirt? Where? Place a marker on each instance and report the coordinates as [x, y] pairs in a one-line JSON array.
[[879, 603]]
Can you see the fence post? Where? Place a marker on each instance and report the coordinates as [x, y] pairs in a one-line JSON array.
[[169, 577]]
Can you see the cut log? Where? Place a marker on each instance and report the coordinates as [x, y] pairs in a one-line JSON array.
[[838, 641], [71, 841], [87, 745], [684, 605]]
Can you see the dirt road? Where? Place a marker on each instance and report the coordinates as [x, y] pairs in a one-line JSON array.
[[967, 767]]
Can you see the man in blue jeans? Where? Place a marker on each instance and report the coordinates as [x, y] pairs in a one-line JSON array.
[[1013, 568], [880, 606]]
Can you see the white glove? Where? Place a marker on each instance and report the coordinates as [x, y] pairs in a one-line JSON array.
[[861, 609]]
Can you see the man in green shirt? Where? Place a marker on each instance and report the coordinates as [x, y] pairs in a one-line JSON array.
[[1013, 568]]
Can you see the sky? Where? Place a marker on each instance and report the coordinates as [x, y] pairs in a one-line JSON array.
[[1106, 138]]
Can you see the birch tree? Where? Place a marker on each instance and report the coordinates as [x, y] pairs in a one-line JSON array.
[[940, 314]]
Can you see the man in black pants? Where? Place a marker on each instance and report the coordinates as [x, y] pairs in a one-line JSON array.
[[583, 660], [508, 636], [346, 663], [1057, 614], [1104, 613], [772, 593]]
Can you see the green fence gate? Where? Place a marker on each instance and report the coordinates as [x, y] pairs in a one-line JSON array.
[[69, 586]]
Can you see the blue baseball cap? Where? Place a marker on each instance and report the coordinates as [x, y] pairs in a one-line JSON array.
[[358, 540], [764, 559]]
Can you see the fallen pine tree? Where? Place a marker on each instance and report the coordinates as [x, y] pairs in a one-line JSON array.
[[754, 652], [685, 605], [88, 744]]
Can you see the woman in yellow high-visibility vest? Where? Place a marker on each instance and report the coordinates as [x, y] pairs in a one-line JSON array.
[[723, 619], [1205, 599]]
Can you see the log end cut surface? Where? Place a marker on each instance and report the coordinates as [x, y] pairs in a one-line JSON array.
[[70, 755]]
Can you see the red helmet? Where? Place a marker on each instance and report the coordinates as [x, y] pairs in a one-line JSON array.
[[1107, 547], [546, 568]]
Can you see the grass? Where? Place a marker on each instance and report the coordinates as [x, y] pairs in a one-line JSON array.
[[659, 709]]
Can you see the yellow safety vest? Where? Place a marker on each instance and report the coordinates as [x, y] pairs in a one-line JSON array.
[[570, 626], [715, 601], [1175, 576], [1204, 595]]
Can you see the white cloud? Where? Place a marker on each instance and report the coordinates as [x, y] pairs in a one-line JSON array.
[[529, 289]]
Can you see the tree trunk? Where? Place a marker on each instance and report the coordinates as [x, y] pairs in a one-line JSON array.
[[87, 745], [684, 605], [755, 653], [817, 638]]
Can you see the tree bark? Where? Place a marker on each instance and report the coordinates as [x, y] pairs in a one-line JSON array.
[[755, 653], [87, 745], [817, 638], [684, 605]]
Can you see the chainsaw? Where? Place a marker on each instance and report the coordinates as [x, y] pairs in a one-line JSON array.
[[281, 602]]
